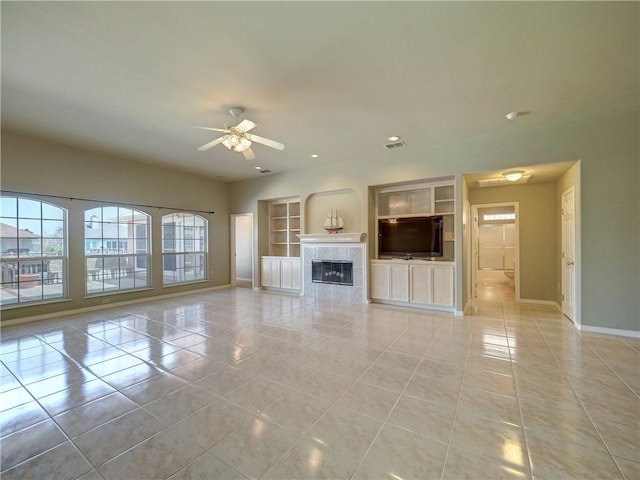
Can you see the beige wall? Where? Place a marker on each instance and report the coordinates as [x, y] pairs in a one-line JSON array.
[[37, 166], [610, 204], [538, 246]]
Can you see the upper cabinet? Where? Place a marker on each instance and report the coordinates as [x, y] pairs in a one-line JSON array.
[[284, 227]]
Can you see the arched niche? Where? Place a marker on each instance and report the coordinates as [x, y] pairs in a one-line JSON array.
[[348, 203]]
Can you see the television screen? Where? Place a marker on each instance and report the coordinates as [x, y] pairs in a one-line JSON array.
[[415, 236]]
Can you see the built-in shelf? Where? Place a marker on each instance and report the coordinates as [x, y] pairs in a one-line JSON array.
[[284, 224]]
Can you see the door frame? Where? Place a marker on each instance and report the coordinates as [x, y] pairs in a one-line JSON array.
[[232, 247], [474, 245], [574, 316]]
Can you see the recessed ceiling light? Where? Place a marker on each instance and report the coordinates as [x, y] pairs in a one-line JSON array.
[[512, 115], [314, 155], [257, 168], [394, 138]]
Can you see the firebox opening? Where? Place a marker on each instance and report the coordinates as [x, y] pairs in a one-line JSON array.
[[337, 272]]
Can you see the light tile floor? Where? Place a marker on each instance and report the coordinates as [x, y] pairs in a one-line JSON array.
[[242, 383]]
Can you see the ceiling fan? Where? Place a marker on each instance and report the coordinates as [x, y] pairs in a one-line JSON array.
[[238, 138]]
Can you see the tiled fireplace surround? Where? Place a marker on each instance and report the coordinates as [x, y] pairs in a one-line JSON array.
[[337, 247]]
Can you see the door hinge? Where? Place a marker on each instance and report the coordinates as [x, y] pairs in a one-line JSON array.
[[562, 296]]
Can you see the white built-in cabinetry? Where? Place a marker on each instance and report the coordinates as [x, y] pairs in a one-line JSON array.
[[413, 282], [424, 199], [284, 227], [281, 268], [417, 282], [281, 272]]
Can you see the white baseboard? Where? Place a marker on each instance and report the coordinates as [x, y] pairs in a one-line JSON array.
[[539, 302], [74, 311], [609, 331]]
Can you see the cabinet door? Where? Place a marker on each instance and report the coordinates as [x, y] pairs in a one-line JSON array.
[[290, 273], [442, 286], [296, 274], [270, 272], [420, 284], [399, 283], [380, 281]]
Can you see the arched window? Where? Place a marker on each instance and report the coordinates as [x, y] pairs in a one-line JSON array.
[[33, 245], [116, 246], [184, 248]]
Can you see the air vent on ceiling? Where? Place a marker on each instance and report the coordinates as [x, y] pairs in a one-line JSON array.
[[399, 144], [264, 171], [498, 181]]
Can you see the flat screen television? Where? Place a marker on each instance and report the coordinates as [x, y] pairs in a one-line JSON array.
[[414, 236]]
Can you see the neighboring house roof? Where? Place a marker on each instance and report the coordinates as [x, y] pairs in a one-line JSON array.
[[7, 231]]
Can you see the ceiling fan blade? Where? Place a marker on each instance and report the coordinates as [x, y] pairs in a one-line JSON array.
[[248, 154], [215, 142], [225, 130], [265, 141], [245, 125]]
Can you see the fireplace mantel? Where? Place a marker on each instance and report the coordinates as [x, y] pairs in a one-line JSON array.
[[332, 237]]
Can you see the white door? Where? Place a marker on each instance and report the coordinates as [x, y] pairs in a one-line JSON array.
[[242, 250], [568, 254]]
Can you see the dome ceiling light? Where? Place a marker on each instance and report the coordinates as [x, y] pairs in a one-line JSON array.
[[513, 175]]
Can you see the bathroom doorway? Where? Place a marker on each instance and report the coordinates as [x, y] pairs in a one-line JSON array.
[[495, 249], [242, 250]]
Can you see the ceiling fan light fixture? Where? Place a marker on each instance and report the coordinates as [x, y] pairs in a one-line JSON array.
[[237, 143], [513, 175]]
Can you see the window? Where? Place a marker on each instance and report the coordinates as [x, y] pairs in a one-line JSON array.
[[493, 217], [184, 248], [33, 246], [116, 242]]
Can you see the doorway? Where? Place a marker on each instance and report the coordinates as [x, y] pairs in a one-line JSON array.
[[242, 250], [495, 250]]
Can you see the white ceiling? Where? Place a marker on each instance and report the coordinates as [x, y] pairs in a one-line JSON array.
[[333, 78]]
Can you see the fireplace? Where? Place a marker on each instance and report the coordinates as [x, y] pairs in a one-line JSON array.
[[337, 272], [334, 267]]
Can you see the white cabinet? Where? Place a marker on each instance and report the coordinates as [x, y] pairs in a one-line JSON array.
[[271, 272], [290, 273], [421, 281], [413, 282], [399, 283], [389, 281], [442, 286], [281, 272], [380, 281]]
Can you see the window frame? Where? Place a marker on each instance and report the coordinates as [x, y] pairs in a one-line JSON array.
[[115, 260], [35, 262], [175, 252]]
